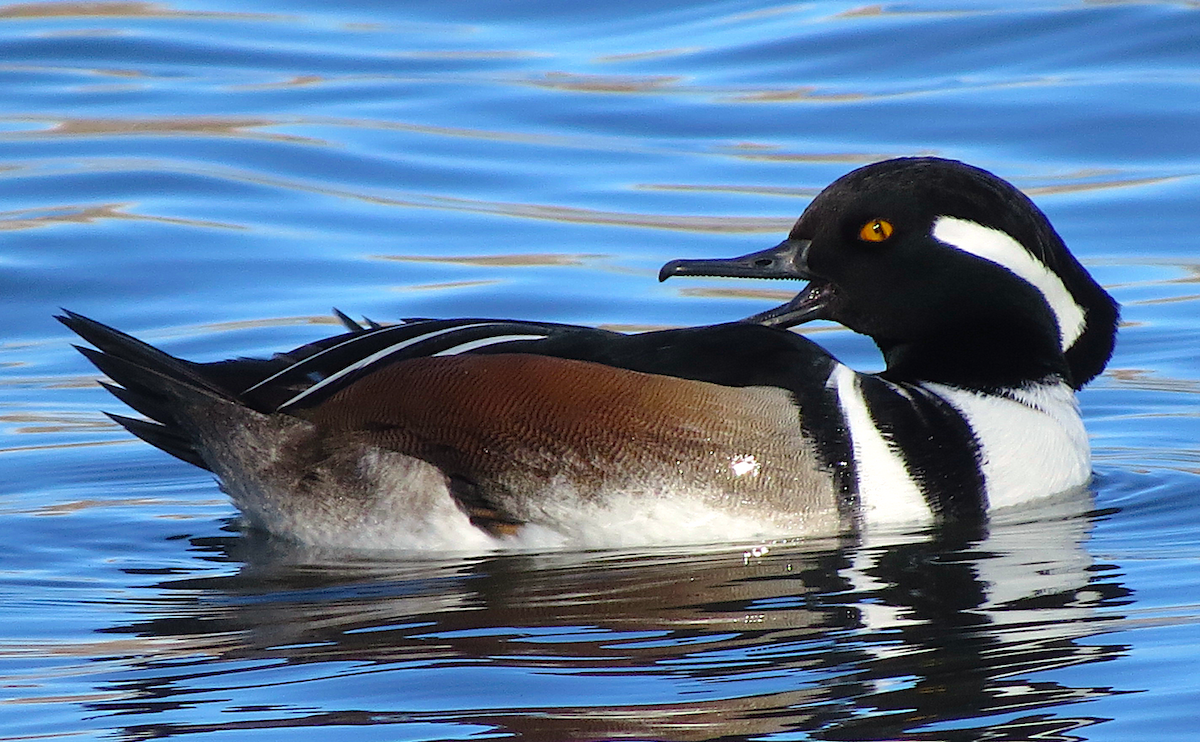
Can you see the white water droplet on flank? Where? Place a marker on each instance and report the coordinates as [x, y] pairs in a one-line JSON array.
[[744, 464]]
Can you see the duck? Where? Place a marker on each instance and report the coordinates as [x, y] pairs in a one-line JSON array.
[[469, 432]]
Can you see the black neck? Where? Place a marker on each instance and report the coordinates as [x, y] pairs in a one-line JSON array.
[[985, 359]]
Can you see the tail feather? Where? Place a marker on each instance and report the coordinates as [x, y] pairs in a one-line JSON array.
[[151, 382], [162, 437], [155, 408], [277, 468], [113, 343], [353, 326], [148, 384]]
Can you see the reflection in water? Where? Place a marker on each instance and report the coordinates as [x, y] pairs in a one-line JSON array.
[[750, 151], [604, 83], [722, 292], [543, 212], [245, 128], [1150, 380], [948, 637], [1095, 185], [31, 218], [514, 260], [114, 9], [758, 190], [807, 92]]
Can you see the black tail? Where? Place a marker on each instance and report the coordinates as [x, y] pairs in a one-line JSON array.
[[151, 382]]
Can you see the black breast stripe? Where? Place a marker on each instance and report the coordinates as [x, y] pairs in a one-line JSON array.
[[823, 423], [938, 447]]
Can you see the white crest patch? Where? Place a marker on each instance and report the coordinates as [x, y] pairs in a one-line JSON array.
[[1001, 249]]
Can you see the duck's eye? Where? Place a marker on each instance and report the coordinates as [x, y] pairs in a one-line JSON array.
[[876, 230]]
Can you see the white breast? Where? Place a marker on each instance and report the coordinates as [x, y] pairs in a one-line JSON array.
[[1032, 442], [887, 493]]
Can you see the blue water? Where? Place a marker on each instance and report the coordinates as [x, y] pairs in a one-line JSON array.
[[214, 176]]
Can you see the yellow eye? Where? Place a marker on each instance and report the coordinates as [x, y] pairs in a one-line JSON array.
[[876, 230]]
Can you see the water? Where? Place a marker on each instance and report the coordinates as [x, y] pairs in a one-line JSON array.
[[214, 176]]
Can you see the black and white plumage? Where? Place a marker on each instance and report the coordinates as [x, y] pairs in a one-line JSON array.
[[461, 432]]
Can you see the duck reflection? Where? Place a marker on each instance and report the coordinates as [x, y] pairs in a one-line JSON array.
[[952, 636]]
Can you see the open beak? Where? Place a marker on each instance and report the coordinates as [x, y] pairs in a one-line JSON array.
[[788, 259]]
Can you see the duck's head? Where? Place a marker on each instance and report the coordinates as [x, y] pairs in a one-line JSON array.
[[952, 271]]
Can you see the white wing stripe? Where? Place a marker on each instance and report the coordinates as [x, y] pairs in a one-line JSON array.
[[484, 342], [277, 374], [377, 356]]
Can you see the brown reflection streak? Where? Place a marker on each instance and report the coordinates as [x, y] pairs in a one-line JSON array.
[[694, 721], [681, 223], [75, 506], [718, 224], [445, 285], [1045, 190], [249, 324], [864, 11], [514, 260], [62, 699], [180, 647], [1192, 271], [31, 218], [223, 127], [758, 152], [208, 125], [452, 131], [113, 9], [652, 54], [668, 84], [1096, 186], [1164, 300], [60, 446], [729, 293], [39, 423], [1148, 380], [750, 189], [466, 54], [296, 81], [877, 10], [1180, 3], [211, 328], [1141, 459], [242, 127], [71, 70], [794, 94], [52, 382], [604, 83], [58, 10]]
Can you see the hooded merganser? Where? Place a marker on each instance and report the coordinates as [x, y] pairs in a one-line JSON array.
[[467, 431]]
